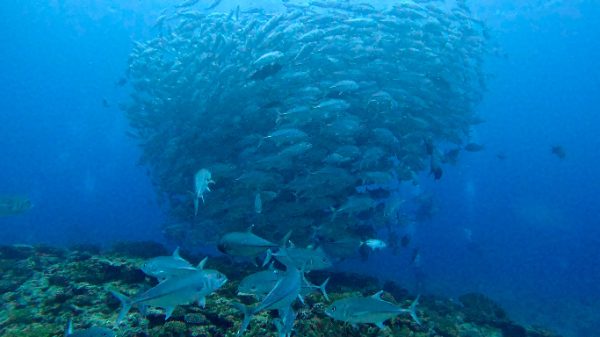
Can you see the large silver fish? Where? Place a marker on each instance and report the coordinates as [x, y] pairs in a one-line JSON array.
[[162, 267], [245, 244], [281, 296], [373, 309], [174, 291], [309, 259]]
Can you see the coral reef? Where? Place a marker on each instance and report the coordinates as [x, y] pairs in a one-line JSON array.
[[43, 287]]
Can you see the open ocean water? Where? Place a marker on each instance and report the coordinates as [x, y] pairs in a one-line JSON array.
[[517, 221]]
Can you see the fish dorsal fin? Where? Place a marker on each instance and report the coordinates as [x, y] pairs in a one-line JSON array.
[[319, 250], [249, 230], [378, 295], [286, 238], [176, 254], [291, 244], [271, 268], [202, 263], [70, 328]]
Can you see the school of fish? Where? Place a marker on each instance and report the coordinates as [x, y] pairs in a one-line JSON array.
[[298, 127]]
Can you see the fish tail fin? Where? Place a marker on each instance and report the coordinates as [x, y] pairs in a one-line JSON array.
[[70, 328], [285, 239], [322, 289], [127, 304], [196, 205], [248, 313], [333, 211], [412, 310], [268, 258]]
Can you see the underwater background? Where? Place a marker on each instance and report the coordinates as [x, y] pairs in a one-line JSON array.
[[523, 230]]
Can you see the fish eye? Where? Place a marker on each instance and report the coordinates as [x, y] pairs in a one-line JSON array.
[[333, 308], [219, 277], [253, 287]]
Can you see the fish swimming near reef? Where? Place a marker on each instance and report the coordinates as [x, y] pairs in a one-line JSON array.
[[162, 267], [174, 291], [261, 283], [559, 151], [14, 204], [285, 325], [281, 296], [373, 309], [91, 332], [246, 244], [308, 259]]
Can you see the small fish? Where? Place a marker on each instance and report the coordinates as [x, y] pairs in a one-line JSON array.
[[266, 71], [416, 258], [473, 147], [450, 157], [214, 4], [14, 204], [121, 82], [559, 151], [501, 155], [269, 58], [187, 3], [91, 332], [374, 244], [201, 181], [257, 203], [405, 240], [355, 310], [105, 103], [435, 163]]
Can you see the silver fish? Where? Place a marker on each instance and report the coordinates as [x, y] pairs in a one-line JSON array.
[[281, 296], [374, 310], [162, 267], [175, 291]]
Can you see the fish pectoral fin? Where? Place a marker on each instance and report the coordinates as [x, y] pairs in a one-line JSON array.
[[202, 302], [380, 325], [168, 312]]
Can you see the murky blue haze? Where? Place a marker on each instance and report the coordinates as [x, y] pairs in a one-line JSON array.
[[534, 218]]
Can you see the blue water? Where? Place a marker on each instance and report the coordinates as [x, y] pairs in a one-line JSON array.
[[533, 218]]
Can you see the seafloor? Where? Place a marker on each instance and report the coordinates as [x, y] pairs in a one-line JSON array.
[[42, 287]]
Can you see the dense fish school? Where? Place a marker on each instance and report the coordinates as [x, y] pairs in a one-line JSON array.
[[304, 121]]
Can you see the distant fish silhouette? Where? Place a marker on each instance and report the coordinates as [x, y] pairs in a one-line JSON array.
[[559, 151], [473, 147], [105, 103], [501, 155], [120, 82]]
